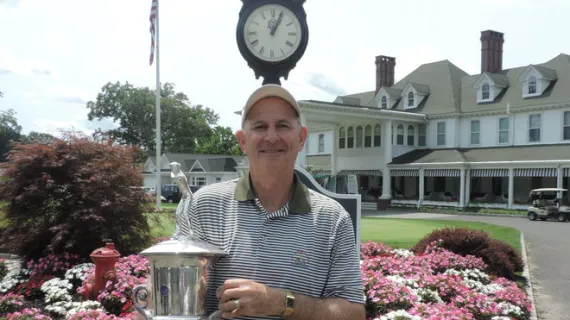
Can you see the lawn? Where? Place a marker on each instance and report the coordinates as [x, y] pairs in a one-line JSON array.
[[405, 233], [397, 233]]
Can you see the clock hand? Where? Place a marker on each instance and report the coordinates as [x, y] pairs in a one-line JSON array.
[[277, 24]]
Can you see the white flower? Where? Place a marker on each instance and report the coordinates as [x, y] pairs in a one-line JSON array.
[[67, 308], [403, 281], [400, 315], [510, 309], [403, 252], [78, 272], [10, 281], [57, 290]]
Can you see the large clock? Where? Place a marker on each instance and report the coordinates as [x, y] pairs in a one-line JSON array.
[[272, 36]]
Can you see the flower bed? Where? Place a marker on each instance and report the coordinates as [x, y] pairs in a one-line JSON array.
[[436, 284]]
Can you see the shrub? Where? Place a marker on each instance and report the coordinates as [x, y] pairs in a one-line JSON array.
[[501, 258], [72, 196]]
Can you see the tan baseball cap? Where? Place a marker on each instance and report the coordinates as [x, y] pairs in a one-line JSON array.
[[269, 90]]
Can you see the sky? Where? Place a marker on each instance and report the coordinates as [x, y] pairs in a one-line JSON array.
[[56, 55]]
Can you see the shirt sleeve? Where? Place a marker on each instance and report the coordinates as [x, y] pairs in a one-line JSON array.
[[344, 277]]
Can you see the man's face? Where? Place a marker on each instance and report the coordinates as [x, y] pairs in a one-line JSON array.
[[272, 136]]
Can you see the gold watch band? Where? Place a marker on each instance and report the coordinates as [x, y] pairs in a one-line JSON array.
[[289, 304]]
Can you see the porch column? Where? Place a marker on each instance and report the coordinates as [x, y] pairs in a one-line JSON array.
[[387, 144], [421, 188], [462, 187], [559, 180], [334, 147], [467, 187], [511, 188]]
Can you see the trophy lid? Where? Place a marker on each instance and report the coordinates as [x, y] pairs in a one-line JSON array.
[[184, 247]]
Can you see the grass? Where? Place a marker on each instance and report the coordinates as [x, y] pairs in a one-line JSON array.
[[397, 233], [405, 233]]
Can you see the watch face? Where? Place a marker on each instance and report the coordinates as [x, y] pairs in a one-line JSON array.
[[272, 32]]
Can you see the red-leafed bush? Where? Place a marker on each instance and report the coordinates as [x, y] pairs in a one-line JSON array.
[[501, 258], [71, 196]]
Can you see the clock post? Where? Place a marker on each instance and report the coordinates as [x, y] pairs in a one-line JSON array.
[[272, 36]]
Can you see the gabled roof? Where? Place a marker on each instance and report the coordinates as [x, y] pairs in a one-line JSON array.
[[213, 162], [556, 93], [498, 80], [443, 80], [544, 72], [421, 89]]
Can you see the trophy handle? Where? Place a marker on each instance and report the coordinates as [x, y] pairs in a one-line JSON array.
[[140, 294]]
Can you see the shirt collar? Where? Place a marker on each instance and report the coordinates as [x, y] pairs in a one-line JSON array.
[[300, 203]]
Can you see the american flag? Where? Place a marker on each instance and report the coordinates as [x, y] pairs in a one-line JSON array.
[[152, 18]]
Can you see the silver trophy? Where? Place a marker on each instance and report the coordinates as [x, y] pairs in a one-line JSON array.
[[178, 268]]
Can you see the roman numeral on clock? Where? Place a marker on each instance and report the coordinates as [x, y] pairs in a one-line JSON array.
[[289, 43], [254, 43], [262, 50], [271, 54]]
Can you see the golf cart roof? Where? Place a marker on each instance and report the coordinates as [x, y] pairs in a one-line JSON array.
[[548, 190]]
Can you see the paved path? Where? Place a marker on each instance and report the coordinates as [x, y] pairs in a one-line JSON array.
[[548, 250]]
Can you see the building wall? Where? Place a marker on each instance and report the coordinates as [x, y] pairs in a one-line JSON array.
[[312, 144], [319, 161]]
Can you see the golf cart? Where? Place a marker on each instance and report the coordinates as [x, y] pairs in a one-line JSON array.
[[548, 203]]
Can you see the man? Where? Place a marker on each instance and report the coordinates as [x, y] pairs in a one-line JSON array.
[[291, 251]]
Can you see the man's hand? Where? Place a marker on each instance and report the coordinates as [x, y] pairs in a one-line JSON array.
[[255, 299]]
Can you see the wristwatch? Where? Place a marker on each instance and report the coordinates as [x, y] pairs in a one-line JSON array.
[[289, 304]]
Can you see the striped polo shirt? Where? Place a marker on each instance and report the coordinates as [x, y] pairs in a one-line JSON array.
[[307, 246]]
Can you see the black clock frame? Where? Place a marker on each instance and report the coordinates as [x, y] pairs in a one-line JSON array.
[[272, 71]]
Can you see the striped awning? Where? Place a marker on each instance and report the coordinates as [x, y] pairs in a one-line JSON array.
[[360, 172], [442, 173], [566, 172], [489, 173], [536, 172], [404, 173]]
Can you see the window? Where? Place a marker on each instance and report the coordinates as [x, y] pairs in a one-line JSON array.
[[503, 130], [410, 99], [441, 133], [359, 137], [198, 181], [534, 128], [400, 135], [422, 135], [411, 135], [368, 136], [307, 145], [218, 179], [341, 138], [475, 132], [377, 135], [566, 126], [321, 143], [531, 89], [485, 92], [384, 102], [350, 138]]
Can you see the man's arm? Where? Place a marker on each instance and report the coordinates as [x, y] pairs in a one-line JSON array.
[[315, 309]]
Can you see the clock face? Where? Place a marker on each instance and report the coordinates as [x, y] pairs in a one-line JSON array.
[[272, 32]]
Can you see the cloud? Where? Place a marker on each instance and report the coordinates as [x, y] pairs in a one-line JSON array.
[[67, 95], [22, 67], [9, 3], [324, 83]]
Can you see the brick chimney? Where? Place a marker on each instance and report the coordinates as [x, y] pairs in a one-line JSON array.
[[491, 51], [384, 71]]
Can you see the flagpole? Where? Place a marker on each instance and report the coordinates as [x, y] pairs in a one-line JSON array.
[[157, 94]]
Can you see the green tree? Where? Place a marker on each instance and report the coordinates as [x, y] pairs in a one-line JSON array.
[[10, 131], [184, 127], [221, 141], [37, 137]]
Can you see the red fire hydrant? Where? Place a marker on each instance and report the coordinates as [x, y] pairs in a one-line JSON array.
[[104, 259]]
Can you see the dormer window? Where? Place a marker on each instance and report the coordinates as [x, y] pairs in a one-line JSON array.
[[413, 94], [535, 80], [489, 86], [384, 102], [531, 89], [485, 92], [410, 99]]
